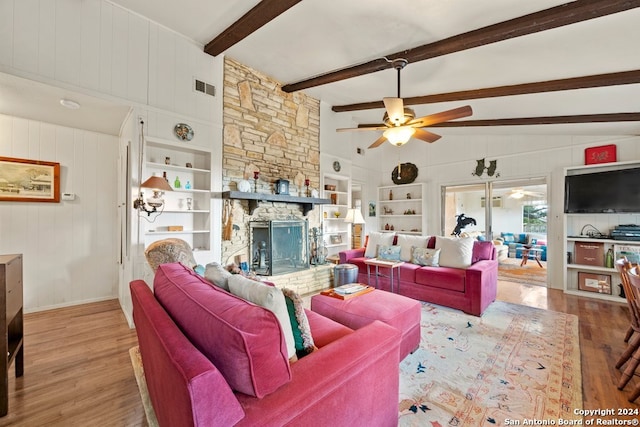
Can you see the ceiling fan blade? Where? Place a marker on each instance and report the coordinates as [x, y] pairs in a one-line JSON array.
[[395, 110], [363, 127], [443, 116], [425, 135], [378, 142]]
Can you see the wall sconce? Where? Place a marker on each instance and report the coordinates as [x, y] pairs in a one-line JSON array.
[[157, 185]]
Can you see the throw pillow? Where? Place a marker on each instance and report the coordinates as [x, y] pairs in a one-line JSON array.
[[455, 253], [389, 253], [426, 257], [268, 297], [375, 239], [218, 275], [299, 323], [508, 237], [408, 242], [167, 251], [482, 251]]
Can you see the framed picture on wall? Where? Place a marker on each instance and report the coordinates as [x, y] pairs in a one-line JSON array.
[[23, 180], [372, 209], [592, 282]]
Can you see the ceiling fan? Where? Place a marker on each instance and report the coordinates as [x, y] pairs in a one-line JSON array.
[[519, 193], [400, 122]]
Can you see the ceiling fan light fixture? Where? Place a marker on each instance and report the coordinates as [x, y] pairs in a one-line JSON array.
[[399, 135], [517, 195]]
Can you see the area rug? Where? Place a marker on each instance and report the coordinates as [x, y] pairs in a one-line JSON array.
[[513, 363], [532, 274]]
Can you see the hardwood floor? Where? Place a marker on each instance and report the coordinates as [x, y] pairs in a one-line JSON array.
[[78, 371]]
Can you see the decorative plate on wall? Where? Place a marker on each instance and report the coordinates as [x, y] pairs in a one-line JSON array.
[[244, 186], [183, 131], [404, 173], [336, 166]]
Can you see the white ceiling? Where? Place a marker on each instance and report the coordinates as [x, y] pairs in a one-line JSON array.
[[317, 36], [37, 101]]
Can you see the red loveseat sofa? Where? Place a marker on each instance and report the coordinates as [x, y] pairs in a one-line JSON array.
[[470, 290], [201, 345]]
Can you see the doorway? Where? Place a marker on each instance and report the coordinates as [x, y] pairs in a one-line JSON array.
[[357, 231], [515, 219]]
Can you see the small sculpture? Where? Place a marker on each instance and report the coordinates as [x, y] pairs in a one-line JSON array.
[[463, 221]]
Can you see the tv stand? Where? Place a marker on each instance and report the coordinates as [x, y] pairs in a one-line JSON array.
[[577, 271]]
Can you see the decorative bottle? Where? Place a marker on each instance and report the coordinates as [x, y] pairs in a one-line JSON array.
[[164, 175], [390, 194], [176, 183], [187, 185], [608, 262]]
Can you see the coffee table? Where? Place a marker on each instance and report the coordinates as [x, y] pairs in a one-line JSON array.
[[380, 263], [535, 252]]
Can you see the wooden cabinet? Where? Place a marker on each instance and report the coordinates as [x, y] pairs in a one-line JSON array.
[[587, 239], [401, 207], [12, 322], [188, 171]]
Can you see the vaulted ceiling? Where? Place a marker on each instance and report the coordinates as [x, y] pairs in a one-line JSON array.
[[546, 66]]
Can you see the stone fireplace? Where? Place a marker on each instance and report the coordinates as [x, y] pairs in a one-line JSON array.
[[278, 135], [279, 247]]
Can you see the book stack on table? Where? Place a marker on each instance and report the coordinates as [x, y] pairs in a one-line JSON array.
[[347, 291], [349, 288]]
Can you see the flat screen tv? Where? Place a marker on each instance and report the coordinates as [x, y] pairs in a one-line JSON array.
[[603, 192]]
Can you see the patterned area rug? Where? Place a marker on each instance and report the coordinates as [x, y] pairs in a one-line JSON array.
[[513, 363], [509, 270]]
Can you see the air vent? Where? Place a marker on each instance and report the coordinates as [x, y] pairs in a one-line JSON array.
[[205, 88]]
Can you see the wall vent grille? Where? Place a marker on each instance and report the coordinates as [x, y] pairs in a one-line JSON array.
[[205, 88]]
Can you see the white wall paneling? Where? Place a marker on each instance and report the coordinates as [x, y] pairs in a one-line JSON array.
[[69, 247], [96, 48]]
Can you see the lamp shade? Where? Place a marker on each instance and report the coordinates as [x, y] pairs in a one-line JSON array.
[[354, 216], [157, 183]]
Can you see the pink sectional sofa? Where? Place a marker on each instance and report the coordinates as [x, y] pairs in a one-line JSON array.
[[213, 359], [471, 289]]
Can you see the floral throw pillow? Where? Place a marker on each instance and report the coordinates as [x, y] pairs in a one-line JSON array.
[[389, 253], [425, 256]]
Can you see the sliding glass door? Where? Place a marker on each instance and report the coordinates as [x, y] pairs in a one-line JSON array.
[[515, 207]]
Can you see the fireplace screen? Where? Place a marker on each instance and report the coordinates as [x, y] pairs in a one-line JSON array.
[[279, 247]]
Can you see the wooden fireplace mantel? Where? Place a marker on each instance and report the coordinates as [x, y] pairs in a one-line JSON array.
[[307, 203]]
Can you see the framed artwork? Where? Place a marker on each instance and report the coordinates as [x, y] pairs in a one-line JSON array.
[[23, 180], [372, 209], [592, 282], [336, 239], [601, 154]]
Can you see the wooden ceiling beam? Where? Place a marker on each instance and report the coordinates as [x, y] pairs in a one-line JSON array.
[[261, 14], [584, 82], [558, 16], [548, 120]]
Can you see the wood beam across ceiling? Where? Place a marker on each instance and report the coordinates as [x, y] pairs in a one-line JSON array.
[[584, 82], [548, 120], [558, 16], [261, 14]]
